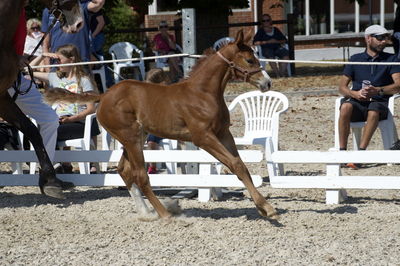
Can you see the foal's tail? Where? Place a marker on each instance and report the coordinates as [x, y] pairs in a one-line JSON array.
[[55, 95]]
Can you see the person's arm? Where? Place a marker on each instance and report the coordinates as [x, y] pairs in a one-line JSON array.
[[46, 49], [348, 93], [43, 76], [90, 109], [269, 41], [171, 42], [100, 25], [388, 89], [95, 5]]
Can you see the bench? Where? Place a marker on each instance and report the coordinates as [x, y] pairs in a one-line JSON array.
[[205, 181], [334, 182]]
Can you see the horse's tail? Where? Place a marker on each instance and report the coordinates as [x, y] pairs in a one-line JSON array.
[[55, 95]]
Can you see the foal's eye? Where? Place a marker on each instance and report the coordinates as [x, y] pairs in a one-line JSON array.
[[250, 61]]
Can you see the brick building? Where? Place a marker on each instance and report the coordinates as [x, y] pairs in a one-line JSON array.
[[318, 23]]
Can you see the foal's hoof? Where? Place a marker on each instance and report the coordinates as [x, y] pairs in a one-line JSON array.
[[53, 191], [270, 214], [172, 206]]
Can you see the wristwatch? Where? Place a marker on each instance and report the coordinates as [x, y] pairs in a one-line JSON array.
[[381, 93]]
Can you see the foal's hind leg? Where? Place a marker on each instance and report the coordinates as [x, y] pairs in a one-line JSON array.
[[125, 171], [131, 138], [224, 149]]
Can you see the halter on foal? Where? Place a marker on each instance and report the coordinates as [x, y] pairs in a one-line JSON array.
[[192, 110], [10, 11]]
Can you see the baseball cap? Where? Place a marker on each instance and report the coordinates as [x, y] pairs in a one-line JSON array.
[[375, 30]]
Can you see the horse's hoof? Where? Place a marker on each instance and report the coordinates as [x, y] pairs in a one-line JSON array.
[[53, 191], [274, 216], [67, 185], [271, 214], [172, 206]]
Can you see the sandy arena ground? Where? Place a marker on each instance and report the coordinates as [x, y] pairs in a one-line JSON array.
[[100, 226]]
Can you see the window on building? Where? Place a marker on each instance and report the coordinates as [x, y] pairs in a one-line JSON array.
[[347, 16], [166, 5]]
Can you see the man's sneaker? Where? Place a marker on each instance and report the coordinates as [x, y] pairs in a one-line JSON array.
[[354, 166], [396, 145], [152, 170]]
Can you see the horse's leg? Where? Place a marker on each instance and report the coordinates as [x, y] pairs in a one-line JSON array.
[[48, 182], [224, 149], [131, 138], [125, 171]]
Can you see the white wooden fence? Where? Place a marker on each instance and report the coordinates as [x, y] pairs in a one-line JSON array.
[[334, 182], [204, 181]]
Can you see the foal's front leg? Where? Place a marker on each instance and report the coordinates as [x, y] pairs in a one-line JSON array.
[[224, 149]]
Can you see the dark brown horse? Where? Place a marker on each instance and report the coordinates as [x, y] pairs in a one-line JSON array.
[[10, 10], [191, 110]]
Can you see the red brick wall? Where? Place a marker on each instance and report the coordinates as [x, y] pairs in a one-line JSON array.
[[237, 17]]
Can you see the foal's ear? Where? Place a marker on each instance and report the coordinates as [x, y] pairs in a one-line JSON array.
[[239, 37], [248, 37]]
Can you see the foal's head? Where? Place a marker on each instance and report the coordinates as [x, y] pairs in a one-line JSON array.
[[244, 63]]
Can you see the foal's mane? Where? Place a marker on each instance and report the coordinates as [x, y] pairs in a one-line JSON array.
[[206, 55]]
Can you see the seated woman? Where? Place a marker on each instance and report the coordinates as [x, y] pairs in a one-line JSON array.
[[33, 37], [76, 80], [272, 42], [165, 44]]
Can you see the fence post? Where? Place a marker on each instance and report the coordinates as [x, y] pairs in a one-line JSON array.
[[290, 23], [189, 37]]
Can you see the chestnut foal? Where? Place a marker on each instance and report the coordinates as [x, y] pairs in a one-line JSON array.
[[70, 16], [191, 110]]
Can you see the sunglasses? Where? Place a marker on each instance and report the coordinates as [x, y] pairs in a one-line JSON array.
[[35, 28], [381, 37], [163, 27], [266, 20]]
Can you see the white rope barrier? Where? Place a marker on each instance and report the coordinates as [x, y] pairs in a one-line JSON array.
[[329, 62], [199, 56], [112, 61]]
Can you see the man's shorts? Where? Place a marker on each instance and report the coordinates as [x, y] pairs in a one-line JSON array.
[[273, 53], [361, 108], [153, 138]]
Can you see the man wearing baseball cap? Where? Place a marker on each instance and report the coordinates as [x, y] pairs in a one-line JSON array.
[[369, 102]]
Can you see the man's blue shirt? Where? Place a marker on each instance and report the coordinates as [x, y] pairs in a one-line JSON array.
[[379, 75], [58, 37]]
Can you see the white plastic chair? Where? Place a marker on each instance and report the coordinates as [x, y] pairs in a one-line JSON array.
[[261, 112], [222, 42], [102, 73], [79, 144], [125, 50], [264, 63], [163, 62], [387, 127]]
